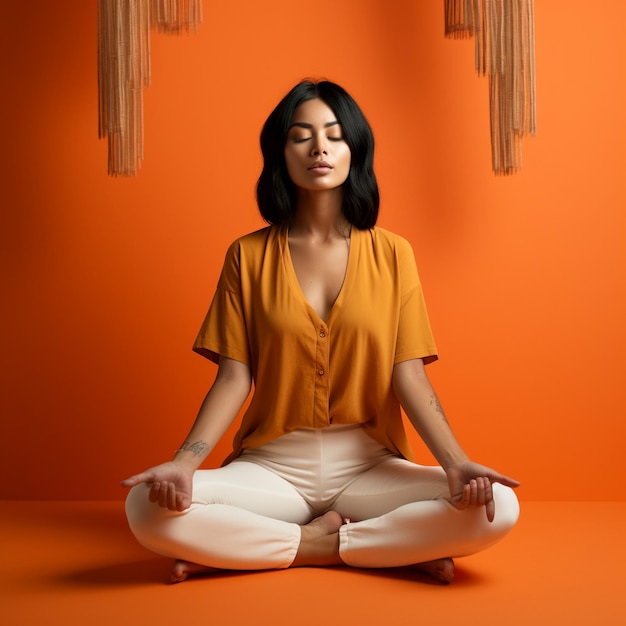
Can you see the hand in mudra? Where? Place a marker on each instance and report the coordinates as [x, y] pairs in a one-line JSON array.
[[170, 485], [471, 485]]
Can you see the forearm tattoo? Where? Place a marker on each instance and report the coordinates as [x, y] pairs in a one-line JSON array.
[[198, 448], [434, 402]]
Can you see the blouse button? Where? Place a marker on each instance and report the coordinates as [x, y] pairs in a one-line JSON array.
[[320, 372], [322, 334]]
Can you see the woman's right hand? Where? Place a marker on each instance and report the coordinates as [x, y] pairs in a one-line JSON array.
[[170, 485]]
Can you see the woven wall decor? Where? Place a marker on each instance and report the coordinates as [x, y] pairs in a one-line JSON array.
[[505, 52], [124, 69]]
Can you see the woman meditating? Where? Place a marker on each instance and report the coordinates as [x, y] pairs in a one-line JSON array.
[[324, 313]]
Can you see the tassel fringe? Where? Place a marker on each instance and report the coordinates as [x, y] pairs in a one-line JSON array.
[[505, 52], [124, 70]]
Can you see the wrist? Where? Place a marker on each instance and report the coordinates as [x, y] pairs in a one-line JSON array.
[[454, 460], [191, 454], [184, 457]]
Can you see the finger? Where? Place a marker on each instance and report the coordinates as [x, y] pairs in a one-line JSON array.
[[509, 482], [505, 480], [488, 491], [486, 497], [155, 489], [144, 477], [480, 492], [163, 495], [484, 491], [171, 497], [490, 509], [473, 492]]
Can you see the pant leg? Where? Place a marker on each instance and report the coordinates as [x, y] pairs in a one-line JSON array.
[[242, 517], [403, 517]]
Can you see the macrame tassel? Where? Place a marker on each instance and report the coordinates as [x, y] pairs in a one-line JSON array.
[[459, 18], [176, 16], [124, 70], [505, 52]]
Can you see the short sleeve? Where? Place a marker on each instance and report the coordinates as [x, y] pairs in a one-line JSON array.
[[223, 331], [415, 339]]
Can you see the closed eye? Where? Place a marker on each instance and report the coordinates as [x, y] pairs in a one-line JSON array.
[[303, 139]]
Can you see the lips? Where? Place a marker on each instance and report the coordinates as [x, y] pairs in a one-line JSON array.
[[321, 166]]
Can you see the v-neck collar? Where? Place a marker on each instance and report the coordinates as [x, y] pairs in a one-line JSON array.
[[348, 278]]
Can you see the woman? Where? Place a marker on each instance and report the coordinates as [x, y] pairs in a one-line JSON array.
[[324, 312]]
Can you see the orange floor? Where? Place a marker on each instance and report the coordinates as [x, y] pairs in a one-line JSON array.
[[76, 563]]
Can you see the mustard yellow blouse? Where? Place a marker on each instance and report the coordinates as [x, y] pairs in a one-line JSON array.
[[309, 372]]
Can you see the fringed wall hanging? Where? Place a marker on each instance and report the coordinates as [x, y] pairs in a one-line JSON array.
[[505, 52], [124, 69]]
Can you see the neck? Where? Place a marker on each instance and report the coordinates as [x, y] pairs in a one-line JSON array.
[[320, 214]]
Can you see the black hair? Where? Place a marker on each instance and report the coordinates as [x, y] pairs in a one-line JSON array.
[[276, 194]]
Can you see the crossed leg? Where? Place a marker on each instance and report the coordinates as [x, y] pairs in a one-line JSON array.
[[246, 517]]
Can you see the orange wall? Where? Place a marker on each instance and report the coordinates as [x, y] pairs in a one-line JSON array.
[[107, 280]]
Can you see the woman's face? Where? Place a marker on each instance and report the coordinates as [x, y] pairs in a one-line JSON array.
[[316, 154]]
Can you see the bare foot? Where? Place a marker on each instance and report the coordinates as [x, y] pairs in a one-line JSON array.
[[326, 524], [184, 569], [319, 541], [442, 570]]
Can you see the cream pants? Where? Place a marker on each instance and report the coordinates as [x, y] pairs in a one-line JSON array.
[[247, 515]]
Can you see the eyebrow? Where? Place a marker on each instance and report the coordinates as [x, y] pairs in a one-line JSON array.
[[310, 126]]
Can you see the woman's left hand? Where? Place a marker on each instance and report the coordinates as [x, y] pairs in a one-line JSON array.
[[471, 485]]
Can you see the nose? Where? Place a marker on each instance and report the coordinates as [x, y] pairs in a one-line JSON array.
[[319, 146]]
